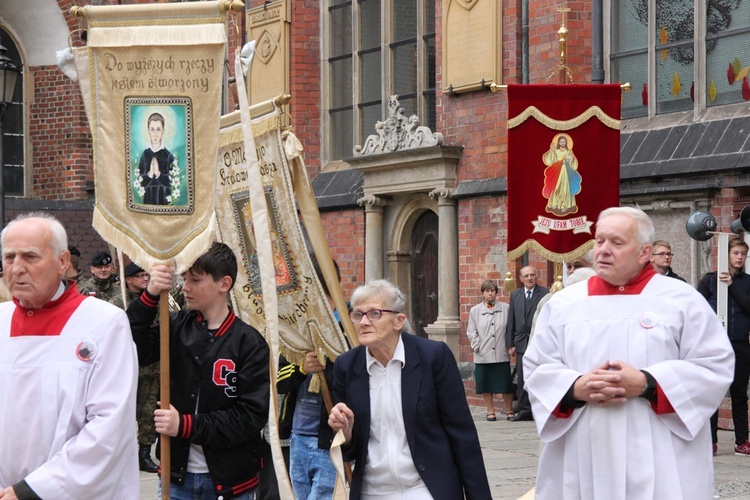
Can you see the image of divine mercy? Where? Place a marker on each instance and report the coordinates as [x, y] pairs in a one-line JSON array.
[[562, 182]]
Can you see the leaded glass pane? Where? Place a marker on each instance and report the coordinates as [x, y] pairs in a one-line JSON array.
[[404, 19], [674, 55], [629, 60], [409, 104], [341, 83], [429, 106], [370, 82], [369, 115], [633, 69], [341, 30], [369, 24], [341, 134], [429, 17], [727, 55], [13, 176], [429, 61], [405, 69]]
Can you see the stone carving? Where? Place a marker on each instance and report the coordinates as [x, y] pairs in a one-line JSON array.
[[398, 133]]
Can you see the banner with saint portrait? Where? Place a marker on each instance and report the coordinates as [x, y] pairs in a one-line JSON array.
[[305, 319], [154, 89], [563, 166]]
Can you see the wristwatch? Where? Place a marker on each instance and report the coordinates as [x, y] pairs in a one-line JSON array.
[[649, 390]]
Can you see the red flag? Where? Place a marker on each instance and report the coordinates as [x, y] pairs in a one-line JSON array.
[[563, 166]]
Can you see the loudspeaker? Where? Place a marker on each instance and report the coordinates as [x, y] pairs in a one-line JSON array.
[[699, 224], [742, 224]]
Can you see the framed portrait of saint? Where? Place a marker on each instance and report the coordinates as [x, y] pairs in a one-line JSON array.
[[159, 144]]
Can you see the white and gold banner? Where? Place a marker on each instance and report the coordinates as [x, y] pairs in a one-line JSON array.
[[305, 319], [154, 88]]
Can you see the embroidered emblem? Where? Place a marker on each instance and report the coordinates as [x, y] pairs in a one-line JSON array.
[[86, 351], [648, 320]]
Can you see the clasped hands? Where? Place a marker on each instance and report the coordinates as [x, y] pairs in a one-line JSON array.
[[612, 383]]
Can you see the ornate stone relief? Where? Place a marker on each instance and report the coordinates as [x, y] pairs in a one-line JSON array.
[[398, 133]]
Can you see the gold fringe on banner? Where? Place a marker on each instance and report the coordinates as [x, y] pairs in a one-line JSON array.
[[552, 256], [593, 111]]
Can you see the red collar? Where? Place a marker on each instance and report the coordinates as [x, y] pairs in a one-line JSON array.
[[598, 286], [50, 319]]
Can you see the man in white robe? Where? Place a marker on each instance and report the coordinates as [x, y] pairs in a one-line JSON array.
[[623, 374], [68, 370]]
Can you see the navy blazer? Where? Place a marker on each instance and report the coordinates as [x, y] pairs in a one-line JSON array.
[[442, 436], [520, 316]]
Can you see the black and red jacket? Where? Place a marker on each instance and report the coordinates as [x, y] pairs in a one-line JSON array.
[[220, 386]]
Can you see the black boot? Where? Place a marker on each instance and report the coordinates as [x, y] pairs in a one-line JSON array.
[[144, 459]]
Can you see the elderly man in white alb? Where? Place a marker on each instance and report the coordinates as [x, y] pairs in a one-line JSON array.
[[624, 372], [68, 369]]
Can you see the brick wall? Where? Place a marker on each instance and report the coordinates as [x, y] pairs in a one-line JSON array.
[[345, 231]]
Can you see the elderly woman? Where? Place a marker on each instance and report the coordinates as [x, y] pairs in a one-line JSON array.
[[486, 333], [402, 408]]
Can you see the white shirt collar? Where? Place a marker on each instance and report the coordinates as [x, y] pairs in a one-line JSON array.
[[399, 355]]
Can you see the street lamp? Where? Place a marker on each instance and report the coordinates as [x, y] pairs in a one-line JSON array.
[[8, 75]]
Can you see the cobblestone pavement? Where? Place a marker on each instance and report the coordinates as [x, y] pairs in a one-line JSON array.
[[511, 451]]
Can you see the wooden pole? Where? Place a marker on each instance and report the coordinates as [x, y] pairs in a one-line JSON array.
[[165, 462]]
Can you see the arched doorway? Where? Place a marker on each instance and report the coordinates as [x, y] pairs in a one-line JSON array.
[[424, 271]]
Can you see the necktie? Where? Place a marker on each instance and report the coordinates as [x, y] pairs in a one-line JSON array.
[[528, 294]]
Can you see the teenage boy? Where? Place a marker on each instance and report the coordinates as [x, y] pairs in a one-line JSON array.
[[219, 380]]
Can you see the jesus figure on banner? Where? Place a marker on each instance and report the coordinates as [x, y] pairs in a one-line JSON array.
[[562, 182]]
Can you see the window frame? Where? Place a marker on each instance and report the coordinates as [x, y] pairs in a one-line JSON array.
[[21, 83], [386, 47]]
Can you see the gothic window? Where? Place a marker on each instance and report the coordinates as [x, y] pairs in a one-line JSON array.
[[376, 48], [13, 125], [680, 54]]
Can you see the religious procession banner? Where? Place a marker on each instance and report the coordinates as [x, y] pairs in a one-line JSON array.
[[563, 166], [306, 321], [154, 88]]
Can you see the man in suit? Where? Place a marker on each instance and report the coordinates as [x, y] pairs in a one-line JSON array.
[[523, 303], [402, 408]]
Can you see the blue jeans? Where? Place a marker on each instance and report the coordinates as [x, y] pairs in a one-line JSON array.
[[312, 472], [199, 487]]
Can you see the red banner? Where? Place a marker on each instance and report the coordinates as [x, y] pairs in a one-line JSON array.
[[563, 166]]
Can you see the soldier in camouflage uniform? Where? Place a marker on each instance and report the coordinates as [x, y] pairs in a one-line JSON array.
[[101, 284], [136, 281]]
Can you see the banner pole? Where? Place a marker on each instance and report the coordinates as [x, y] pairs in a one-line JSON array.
[[165, 462]]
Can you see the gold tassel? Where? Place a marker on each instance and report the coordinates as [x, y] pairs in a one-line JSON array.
[[510, 283], [558, 284]]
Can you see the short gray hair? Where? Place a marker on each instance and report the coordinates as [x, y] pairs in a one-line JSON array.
[[59, 236], [392, 297], [646, 232]]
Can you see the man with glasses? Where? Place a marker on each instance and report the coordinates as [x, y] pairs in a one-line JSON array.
[[661, 259], [523, 303]]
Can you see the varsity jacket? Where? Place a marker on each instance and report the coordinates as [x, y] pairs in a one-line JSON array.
[[220, 387], [290, 378], [738, 306]]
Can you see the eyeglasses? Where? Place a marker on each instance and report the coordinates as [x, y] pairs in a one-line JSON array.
[[141, 276], [528, 275], [372, 314], [663, 254]]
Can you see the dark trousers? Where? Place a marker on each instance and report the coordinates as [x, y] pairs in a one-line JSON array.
[[524, 405], [738, 393]]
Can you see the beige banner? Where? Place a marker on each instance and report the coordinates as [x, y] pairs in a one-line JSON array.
[[155, 87], [306, 321]]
